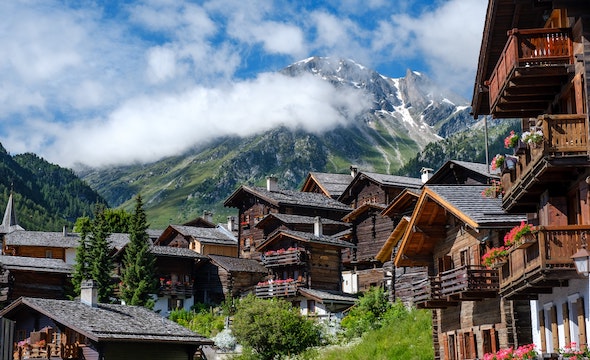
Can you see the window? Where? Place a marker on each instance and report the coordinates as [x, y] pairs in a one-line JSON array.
[[48, 254], [174, 304], [490, 341], [311, 306], [465, 257]]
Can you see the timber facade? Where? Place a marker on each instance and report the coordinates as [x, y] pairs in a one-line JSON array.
[[534, 64]]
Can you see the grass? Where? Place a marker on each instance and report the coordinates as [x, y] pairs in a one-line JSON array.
[[407, 337]]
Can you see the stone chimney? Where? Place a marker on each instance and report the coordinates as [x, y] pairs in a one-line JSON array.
[[89, 293], [317, 226], [272, 183], [426, 174], [231, 223], [65, 231], [353, 170]]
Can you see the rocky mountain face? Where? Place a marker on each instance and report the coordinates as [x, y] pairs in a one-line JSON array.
[[406, 114]]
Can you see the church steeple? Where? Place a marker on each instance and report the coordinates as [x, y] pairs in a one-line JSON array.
[[9, 222]]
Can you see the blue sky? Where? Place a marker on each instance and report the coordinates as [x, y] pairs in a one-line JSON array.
[[115, 82]]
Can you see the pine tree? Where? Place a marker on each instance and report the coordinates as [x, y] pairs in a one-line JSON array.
[[101, 263], [82, 266], [138, 274]]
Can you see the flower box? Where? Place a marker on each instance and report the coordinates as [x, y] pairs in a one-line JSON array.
[[525, 241], [499, 262]]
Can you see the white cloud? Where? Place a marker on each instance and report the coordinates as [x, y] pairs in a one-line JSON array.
[[150, 127]]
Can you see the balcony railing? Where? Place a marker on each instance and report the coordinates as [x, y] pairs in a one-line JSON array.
[[565, 141], [545, 264], [176, 289], [24, 350], [470, 282], [427, 294], [533, 61], [277, 288], [284, 257]]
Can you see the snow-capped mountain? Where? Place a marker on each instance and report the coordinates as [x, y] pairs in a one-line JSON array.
[[406, 114]]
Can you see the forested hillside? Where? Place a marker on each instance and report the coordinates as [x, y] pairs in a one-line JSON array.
[[46, 196]]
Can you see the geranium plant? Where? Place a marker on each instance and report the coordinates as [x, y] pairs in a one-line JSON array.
[[532, 137], [493, 254], [513, 237], [524, 352], [494, 190], [498, 161], [511, 140], [573, 352]]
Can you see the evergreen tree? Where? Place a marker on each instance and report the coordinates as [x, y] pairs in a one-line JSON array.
[[101, 263], [138, 274], [82, 266]]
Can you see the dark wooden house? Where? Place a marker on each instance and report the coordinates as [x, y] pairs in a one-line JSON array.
[[300, 259], [368, 195], [254, 203], [275, 221], [534, 64], [61, 329], [42, 244], [464, 172], [224, 277], [450, 229], [34, 277]]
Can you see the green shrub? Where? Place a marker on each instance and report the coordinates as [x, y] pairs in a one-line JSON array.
[[273, 328], [367, 313], [203, 320]]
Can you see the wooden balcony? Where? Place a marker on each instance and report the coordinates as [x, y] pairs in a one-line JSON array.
[[284, 258], [427, 294], [554, 163], [176, 289], [469, 283], [543, 265], [532, 68], [278, 288], [49, 351]]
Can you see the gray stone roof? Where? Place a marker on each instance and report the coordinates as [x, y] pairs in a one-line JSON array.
[[327, 296], [176, 252], [154, 233], [300, 219], [487, 212], [35, 264], [118, 240], [322, 239], [110, 322], [393, 180], [42, 238], [334, 184], [207, 235], [298, 198], [233, 264], [483, 169]]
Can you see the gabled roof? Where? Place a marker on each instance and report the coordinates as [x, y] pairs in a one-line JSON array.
[[324, 296], [9, 222], [42, 265], [402, 203], [351, 216], [383, 180], [42, 238], [305, 237], [296, 219], [215, 236], [200, 222], [430, 217], [109, 322], [332, 185], [460, 172], [285, 197], [396, 235], [169, 251], [233, 264]]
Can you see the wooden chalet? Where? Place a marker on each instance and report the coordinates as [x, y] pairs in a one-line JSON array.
[[61, 329], [300, 260], [225, 277], [176, 272], [450, 229], [34, 277], [368, 195], [42, 244], [203, 240], [534, 64], [331, 185], [275, 221], [254, 203]]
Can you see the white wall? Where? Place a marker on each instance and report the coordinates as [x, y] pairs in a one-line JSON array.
[[350, 282], [578, 288]]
